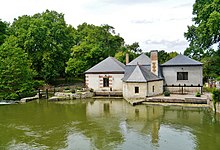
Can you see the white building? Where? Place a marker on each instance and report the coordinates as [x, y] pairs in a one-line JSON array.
[[182, 74], [145, 77], [106, 75]]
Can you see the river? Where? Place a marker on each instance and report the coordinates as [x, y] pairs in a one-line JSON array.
[[107, 124]]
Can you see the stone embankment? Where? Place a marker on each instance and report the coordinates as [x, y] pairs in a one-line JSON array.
[[27, 99], [58, 96], [181, 99]]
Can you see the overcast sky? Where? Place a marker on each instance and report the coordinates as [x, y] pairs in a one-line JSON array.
[[155, 24]]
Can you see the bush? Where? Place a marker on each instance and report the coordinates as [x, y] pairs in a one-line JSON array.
[[166, 93], [67, 88], [215, 97], [198, 94], [207, 89]]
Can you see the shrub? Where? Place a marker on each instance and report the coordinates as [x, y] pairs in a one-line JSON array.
[[166, 93], [198, 94], [207, 89], [215, 97], [66, 88]]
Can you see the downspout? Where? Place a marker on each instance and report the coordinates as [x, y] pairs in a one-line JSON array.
[[147, 88]]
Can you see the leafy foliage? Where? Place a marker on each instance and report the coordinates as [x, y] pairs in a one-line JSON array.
[[203, 34], [15, 75], [3, 31], [206, 30], [215, 97], [93, 44], [47, 40]]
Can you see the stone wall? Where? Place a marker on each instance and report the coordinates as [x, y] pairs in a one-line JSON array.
[[129, 90], [145, 89], [158, 88]]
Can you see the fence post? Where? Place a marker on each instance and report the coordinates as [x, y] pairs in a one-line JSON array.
[[46, 93], [39, 94]]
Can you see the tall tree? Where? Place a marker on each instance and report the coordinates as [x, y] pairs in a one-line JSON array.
[[133, 51], [93, 44], [206, 29], [15, 76], [47, 39], [3, 31], [203, 34]]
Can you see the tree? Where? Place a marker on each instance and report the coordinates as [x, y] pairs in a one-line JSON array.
[[93, 44], [133, 51], [203, 34], [211, 65], [47, 40], [15, 76], [206, 30], [135, 48], [3, 31]]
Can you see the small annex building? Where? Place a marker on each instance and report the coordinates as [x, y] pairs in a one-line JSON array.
[[144, 76], [183, 74], [139, 81]]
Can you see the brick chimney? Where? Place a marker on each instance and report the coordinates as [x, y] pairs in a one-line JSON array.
[[127, 58], [154, 62]]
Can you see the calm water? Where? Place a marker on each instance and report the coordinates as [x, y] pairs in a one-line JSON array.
[[105, 124]]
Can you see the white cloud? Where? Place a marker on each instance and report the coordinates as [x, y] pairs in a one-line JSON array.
[[136, 21]]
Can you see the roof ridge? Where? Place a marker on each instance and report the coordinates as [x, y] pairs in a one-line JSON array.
[[109, 64], [181, 60]]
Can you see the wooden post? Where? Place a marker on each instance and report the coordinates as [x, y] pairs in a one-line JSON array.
[[39, 94], [201, 90], [54, 90], [182, 89], [46, 93]]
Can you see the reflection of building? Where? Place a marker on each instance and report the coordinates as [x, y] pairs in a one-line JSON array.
[[144, 76], [144, 119]]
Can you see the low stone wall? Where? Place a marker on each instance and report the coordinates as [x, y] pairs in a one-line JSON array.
[[108, 93], [190, 100]]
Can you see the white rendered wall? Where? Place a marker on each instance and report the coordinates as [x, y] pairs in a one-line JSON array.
[[94, 81], [194, 78], [194, 75]]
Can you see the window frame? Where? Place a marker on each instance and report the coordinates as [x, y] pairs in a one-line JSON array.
[[136, 90], [106, 82], [182, 76]]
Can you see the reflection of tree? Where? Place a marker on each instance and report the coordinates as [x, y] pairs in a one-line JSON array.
[[104, 134], [43, 124]]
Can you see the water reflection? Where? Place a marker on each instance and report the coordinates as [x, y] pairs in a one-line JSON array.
[[105, 124]]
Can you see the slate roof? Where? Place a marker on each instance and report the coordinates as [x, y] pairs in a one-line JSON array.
[[141, 60], [108, 65], [138, 74], [181, 60]]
